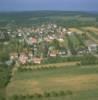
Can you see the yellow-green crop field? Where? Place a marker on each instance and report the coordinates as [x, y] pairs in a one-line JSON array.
[[82, 81]]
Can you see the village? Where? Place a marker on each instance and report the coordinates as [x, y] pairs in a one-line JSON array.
[[36, 44], [48, 55]]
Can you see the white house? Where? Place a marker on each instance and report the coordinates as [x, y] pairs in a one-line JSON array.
[[92, 47], [37, 60], [23, 58], [69, 33]]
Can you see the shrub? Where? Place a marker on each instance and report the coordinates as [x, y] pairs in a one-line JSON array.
[[38, 95], [54, 94], [62, 93], [69, 92], [47, 94]]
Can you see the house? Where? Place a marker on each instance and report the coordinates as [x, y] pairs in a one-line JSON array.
[[53, 53], [81, 51], [47, 39], [30, 54], [69, 33], [23, 58], [13, 56], [19, 34], [37, 60], [62, 52], [34, 40], [51, 37], [61, 40], [92, 48], [64, 29]]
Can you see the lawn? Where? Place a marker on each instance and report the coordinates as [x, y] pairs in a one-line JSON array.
[[81, 80]]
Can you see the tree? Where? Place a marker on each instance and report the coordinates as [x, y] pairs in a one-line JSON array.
[[47, 94], [62, 93], [55, 43]]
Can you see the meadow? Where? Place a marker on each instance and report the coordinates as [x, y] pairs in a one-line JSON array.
[[80, 81]]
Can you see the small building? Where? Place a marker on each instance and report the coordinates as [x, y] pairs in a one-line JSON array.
[[34, 40], [92, 48], [61, 40], [69, 33], [53, 53], [62, 52], [13, 56], [23, 58], [82, 51], [37, 60], [19, 34]]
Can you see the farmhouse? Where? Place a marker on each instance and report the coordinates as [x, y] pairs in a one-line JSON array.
[[13, 56], [69, 33], [61, 40], [23, 58], [92, 47], [62, 52], [32, 40], [53, 53], [37, 60]]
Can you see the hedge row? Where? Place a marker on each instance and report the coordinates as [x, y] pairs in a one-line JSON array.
[[44, 95]]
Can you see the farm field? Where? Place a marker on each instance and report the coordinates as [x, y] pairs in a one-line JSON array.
[[48, 55], [76, 30], [74, 41], [91, 29], [82, 81], [92, 37], [56, 65]]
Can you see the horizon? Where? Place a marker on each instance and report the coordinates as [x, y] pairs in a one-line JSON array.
[[17, 11]]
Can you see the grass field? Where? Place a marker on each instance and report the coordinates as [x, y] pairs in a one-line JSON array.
[[94, 29], [75, 41], [81, 80], [75, 30], [92, 38], [92, 34], [57, 65]]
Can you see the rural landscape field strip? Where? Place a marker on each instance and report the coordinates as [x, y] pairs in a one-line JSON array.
[[75, 78], [92, 33], [92, 38], [81, 40], [52, 65]]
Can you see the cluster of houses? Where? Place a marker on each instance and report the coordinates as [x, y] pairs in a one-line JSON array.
[[39, 41], [42, 41], [24, 58]]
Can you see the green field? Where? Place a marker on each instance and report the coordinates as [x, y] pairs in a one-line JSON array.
[[74, 41], [82, 81], [93, 34]]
